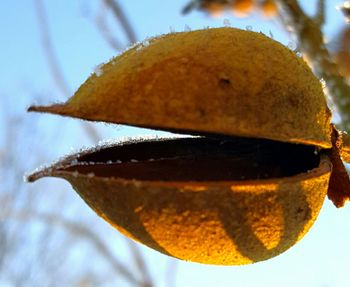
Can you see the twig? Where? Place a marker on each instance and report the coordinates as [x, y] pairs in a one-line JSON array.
[[320, 17], [140, 264], [77, 229], [311, 44], [105, 31], [92, 133], [122, 19], [189, 7]]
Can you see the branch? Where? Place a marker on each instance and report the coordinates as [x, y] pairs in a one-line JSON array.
[[189, 7], [122, 19], [105, 31], [78, 230], [320, 17], [140, 264], [92, 133], [310, 39]]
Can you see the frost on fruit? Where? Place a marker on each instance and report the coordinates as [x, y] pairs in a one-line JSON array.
[[98, 70], [248, 185], [229, 76]]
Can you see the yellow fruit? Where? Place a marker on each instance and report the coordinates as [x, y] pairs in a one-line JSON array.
[[220, 81], [246, 190], [184, 201]]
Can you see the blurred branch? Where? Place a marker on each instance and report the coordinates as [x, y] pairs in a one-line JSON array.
[[55, 69], [79, 230], [92, 133], [105, 31], [140, 264], [190, 6], [311, 43], [122, 19], [320, 17]]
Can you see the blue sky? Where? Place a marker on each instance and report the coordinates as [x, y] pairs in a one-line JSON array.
[[321, 259]]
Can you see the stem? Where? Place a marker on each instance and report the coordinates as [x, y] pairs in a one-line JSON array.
[[123, 20], [105, 31]]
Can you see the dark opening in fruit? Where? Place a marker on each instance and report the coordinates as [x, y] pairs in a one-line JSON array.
[[199, 159]]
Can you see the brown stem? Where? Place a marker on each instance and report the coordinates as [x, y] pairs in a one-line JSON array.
[[320, 17]]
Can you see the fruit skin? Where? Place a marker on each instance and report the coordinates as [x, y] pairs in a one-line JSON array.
[[223, 223], [218, 81], [222, 81]]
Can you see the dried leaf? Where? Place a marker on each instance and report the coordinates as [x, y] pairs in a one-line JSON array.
[[339, 184]]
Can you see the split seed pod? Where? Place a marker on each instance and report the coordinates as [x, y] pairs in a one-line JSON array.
[[252, 182]]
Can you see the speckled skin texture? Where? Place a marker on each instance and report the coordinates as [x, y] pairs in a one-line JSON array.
[[224, 223], [214, 81], [224, 81]]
